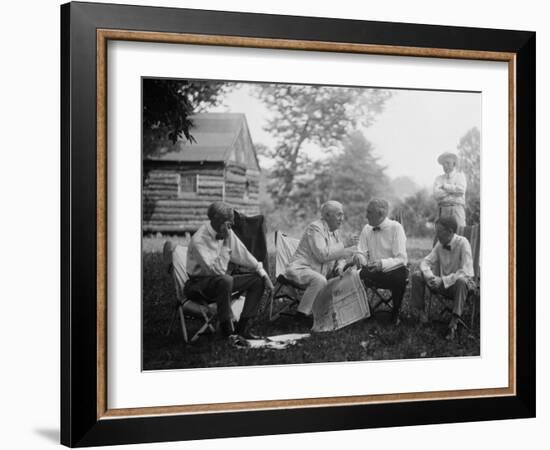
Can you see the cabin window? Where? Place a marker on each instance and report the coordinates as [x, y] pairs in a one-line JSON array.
[[188, 184]]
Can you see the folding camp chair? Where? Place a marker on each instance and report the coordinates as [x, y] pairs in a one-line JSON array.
[[287, 293], [187, 308], [251, 231], [470, 232], [380, 299]]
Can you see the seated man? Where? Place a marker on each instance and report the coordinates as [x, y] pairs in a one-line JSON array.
[[212, 247], [383, 254], [319, 254], [447, 270]]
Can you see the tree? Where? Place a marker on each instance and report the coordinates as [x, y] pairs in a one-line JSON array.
[[469, 156], [404, 186], [321, 115], [167, 105], [352, 176], [416, 213]]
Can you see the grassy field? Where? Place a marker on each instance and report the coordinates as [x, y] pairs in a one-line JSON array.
[[369, 339]]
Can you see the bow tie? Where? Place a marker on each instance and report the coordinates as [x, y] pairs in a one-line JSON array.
[[447, 247], [219, 237], [376, 229]]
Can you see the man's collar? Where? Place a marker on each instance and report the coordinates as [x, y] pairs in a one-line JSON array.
[[211, 230], [381, 225], [451, 243], [451, 173], [326, 227]]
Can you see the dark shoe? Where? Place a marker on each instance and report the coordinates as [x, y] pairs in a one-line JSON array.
[[395, 319], [303, 319], [451, 334], [226, 328], [243, 329]]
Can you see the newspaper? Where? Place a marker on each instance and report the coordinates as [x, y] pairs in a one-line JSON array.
[[279, 342], [343, 301]]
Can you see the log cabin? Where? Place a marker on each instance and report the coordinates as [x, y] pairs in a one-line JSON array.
[[180, 180]]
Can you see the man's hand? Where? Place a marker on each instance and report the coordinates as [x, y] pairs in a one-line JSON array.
[[350, 251], [357, 260], [435, 282], [268, 284], [375, 266], [353, 240]]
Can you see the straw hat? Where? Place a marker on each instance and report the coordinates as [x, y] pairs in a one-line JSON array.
[[446, 156]]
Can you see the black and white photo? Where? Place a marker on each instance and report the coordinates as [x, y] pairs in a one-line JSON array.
[[290, 223]]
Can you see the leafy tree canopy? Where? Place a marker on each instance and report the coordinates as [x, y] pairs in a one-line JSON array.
[[167, 105], [320, 115], [352, 175], [469, 156]]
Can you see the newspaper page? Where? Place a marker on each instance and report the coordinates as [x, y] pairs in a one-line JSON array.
[[343, 301]]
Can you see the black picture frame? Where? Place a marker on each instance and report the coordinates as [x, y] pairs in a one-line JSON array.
[[81, 423]]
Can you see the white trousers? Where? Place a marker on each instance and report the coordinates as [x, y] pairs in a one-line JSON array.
[[315, 283]]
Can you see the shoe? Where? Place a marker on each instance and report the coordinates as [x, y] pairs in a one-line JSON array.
[[243, 329], [451, 334], [226, 328], [303, 319], [423, 317], [395, 319]]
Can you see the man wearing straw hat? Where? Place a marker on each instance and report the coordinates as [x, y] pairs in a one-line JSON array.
[[450, 189]]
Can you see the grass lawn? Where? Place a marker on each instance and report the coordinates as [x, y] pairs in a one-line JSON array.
[[369, 339]]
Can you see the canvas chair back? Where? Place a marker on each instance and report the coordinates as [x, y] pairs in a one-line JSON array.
[[471, 232], [285, 247], [251, 231], [179, 267]]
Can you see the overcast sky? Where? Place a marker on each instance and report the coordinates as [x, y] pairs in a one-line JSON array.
[[414, 128]]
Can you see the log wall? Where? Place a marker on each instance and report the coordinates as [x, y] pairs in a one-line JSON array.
[[168, 210]]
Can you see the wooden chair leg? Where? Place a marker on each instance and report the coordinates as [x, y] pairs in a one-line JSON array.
[[174, 315], [429, 305], [271, 301], [207, 325], [473, 311], [182, 322], [382, 300], [284, 308]]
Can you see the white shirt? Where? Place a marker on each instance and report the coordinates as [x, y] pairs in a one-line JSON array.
[[451, 264], [450, 189], [387, 244], [318, 250], [207, 256]]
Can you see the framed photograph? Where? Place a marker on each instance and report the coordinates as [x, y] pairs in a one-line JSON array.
[[278, 224]]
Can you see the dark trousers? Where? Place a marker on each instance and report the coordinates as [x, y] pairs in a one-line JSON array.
[[218, 288], [458, 292], [395, 280]]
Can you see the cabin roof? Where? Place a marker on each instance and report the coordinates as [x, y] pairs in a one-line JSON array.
[[220, 137]]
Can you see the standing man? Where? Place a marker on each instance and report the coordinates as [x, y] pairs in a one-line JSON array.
[[450, 189], [212, 247], [383, 254], [447, 270], [320, 253]]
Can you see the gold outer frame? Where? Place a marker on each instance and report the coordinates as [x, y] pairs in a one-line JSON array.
[[104, 35]]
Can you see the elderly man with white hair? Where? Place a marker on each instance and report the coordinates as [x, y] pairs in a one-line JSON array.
[[450, 189], [320, 253]]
